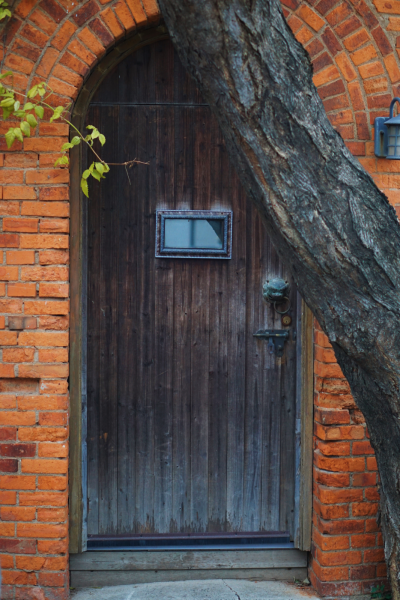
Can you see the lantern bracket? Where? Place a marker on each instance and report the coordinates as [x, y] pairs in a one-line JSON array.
[[381, 132]]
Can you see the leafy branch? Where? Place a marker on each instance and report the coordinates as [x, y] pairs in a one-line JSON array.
[[4, 12], [33, 107]]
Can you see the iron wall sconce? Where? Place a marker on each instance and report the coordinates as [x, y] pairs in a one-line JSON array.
[[387, 134]]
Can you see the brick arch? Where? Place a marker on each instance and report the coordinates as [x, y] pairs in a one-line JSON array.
[[353, 48]]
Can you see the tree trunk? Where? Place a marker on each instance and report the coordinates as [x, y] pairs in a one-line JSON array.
[[326, 217]]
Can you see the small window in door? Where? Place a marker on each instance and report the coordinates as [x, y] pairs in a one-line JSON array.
[[193, 234]]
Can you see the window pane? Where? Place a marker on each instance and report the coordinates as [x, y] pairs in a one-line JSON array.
[[194, 233]]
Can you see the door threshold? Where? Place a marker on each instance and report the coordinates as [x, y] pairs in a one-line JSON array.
[[195, 541]]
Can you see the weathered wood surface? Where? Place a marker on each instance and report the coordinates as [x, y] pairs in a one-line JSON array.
[[325, 215], [188, 559], [191, 422], [108, 578]]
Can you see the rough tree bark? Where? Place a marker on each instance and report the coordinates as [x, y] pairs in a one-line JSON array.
[[324, 213]]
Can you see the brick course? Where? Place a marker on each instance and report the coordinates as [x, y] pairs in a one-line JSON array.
[[354, 47]]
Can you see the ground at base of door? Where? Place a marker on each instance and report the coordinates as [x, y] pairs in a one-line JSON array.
[[220, 589]]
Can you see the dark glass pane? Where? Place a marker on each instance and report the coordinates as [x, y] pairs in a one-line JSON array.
[[194, 233]]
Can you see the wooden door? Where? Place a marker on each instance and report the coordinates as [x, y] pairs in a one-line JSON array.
[[191, 421]]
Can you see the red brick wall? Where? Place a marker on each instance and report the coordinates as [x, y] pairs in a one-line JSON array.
[[354, 49], [347, 555]]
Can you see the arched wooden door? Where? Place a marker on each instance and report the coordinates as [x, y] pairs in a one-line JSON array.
[[191, 420]]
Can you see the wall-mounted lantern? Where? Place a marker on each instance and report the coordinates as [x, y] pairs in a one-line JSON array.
[[387, 134]]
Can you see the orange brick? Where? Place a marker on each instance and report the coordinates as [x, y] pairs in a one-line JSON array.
[[53, 257], [52, 418], [21, 225], [8, 273], [83, 53], [8, 338], [54, 226], [47, 62], [17, 482], [53, 547], [54, 515], [9, 208], [10, 306], [43, 402], [372, 69], [53, 387], [345, 67], [6, 371], [19, 193], [371, 463], [91, 42], [351, 557], [5, 400], [18, 578], [45, 209], [23, 257], [40, 338], [43, 499], [58, 355], [112, 23], [364, 509], [45, 307], [53, 193], [64, 35], [40, 176], [394, 24], [124, 15], [376, 86], [11, 176], [137, 11], [374, 555], [37, 371], [48, 465], [44, 241], [18, 355], [53, 483], [17, 418], [44, 273], [17, 513], [363, 55], [327, 75], [22, 289], [53, 450], [38, 530], [392, 68], [54, 290], [363, 541], [339, 464], [20, 160], [334, 448]]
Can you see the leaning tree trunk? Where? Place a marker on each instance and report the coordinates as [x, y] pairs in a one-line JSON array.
[[326, 217]]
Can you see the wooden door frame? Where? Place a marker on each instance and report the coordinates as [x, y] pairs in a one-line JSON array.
[[78, 331]]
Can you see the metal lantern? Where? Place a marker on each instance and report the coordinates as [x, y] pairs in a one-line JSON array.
[[387, 135]]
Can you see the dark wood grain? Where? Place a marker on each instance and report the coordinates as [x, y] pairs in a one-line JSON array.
[[199, 416]]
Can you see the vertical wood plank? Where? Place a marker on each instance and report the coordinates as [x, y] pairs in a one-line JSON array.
[[146, 133]]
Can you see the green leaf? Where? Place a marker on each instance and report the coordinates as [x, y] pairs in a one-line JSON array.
[[90, 127], [100, 168], [57, 113], [85, 174], [95, 134], [42, 92], [18, 134], [96, 175], [85, 187], [3, 75], [4, 12], [28, 106], [31, 120], [10, 137], [106, 167], [76, 140], [20, 114], [63, 160], [102, 139], [7, 103], [6, 113], [39, 110], [66, 146], [17, 104], [33, 92], [25, 128]]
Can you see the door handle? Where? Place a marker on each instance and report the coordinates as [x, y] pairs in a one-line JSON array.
[[276, 339]]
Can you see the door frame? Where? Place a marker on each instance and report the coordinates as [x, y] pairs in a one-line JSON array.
[[78, 332]]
